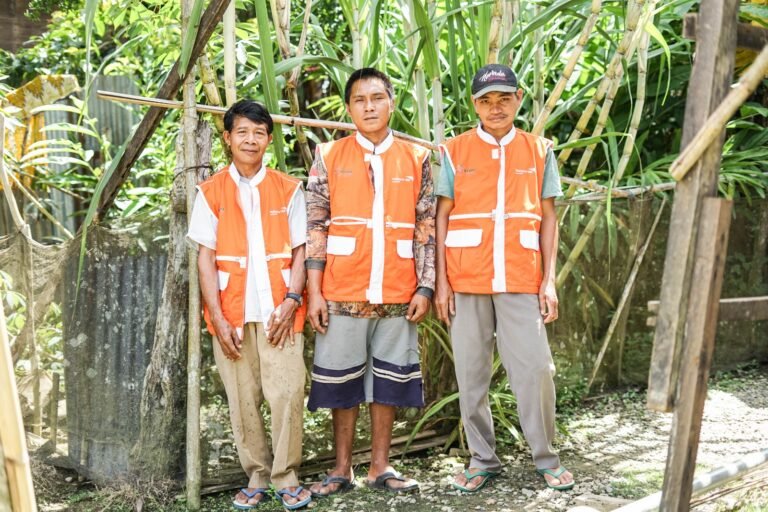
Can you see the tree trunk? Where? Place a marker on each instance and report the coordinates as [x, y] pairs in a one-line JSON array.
[[159, 450]]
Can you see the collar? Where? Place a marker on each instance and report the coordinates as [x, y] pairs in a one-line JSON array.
[[490, 139], [369, 146], [258, 178]]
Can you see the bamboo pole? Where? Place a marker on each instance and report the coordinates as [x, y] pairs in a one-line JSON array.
[[579, 246], [586, 32], [230, 67], [634, 9], [281, 15], [12, 439], [280, 119], [189, 125], [494, 37], [438, 112], [713, 127], [626, 294], [538, 69], [419, 79], [637, 114], [211, 90]]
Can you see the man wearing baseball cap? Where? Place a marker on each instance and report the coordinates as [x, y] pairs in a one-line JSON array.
[[496, 252]]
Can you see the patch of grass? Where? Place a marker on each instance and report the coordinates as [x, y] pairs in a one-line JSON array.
[[637, 484]]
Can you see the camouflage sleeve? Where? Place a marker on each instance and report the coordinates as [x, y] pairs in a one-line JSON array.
[[318, 213], [424, 235]]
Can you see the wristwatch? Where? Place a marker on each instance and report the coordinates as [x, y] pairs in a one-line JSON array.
[[294, 296]]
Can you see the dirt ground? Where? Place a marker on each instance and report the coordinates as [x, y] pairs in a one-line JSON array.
[[616, 450]]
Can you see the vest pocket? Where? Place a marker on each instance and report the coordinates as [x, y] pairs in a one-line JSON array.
[[340, 245], [223, 280], [463, 238], [529, 239], [405, 248]]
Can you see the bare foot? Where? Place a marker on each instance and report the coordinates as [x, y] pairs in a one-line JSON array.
[[393, 484], [474, 481], [318, 489], [565, 478], [290, 500], [250, 498]]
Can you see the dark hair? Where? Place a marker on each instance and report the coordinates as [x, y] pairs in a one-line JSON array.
[[249, 109], [365, 73]]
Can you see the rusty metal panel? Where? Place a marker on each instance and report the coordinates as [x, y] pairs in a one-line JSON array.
[[108, 337]]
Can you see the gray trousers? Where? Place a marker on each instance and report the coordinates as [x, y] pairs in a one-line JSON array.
[[522, 343]]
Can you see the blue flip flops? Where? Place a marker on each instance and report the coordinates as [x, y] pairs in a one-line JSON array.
[[250, 495], [295, 494]]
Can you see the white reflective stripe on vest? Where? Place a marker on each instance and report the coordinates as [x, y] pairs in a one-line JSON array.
[[344, 220], [374, 294], [239, 259], [499, 282], [279, 255], [397, 225], [463, 216], [522, 215]]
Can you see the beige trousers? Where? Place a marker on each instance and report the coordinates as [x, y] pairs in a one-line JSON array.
[[522, 343], [262, 372]]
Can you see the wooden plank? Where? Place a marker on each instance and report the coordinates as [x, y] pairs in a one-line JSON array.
[[750, 309], [152, 118], [696, 357], [748, 37], [709, 83]]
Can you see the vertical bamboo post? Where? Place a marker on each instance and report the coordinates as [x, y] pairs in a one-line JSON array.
[[230, 93], [494, 38], [538, 69], [12, 440], [189, 124], [438, 113], [419, 80]]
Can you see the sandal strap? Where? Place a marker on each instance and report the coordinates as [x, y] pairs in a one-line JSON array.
[[294, 494], [482, 472], [258, 490], [554, 473]]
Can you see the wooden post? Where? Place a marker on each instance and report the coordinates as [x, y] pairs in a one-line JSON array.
[[189, 126], [709, 84], [13, 444], [696, 357]]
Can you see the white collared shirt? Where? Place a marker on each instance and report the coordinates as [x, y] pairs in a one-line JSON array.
[[204, 225]]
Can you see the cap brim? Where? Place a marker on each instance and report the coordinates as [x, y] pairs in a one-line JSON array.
[[493, 88]]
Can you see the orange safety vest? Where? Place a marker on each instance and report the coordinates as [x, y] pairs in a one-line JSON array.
[[273, 270], [370, 236], [492, 244]]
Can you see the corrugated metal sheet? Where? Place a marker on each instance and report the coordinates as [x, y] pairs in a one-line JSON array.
[[108, 337]]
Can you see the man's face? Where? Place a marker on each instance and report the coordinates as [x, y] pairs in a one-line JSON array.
[[370, 106], [497, 110], [248, 141]]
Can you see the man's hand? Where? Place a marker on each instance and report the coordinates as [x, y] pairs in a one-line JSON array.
[[280, 324], [548, 300], [317, 311], [228, 338], [417, 309], [444, 302]]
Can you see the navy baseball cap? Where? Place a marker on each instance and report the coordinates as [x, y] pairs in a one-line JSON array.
[[493, 77]]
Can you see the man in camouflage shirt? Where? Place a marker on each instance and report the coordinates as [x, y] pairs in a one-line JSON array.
[[370, 263]]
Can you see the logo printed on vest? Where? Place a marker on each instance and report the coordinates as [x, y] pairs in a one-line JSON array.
[[464, 170], [343, 172], [278, 211], [530, 170], [405, 179]]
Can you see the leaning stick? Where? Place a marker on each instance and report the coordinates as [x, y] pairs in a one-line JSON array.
[[579, 246], [18, 219], [715, 123], [293, 121], [623, 193], [48, 215], [626, 294]]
